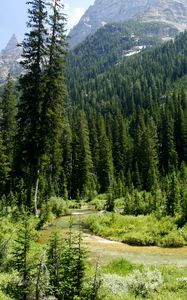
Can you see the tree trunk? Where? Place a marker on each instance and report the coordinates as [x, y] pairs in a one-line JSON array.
[[36, 195]]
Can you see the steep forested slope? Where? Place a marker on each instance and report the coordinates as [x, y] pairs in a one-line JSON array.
[[129, 124], [106, 47], [152, 70]]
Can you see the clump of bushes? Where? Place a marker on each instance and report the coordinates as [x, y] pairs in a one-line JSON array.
[[55, 207], [98, 204], [145, 282], [140, 239], [115, 284], [174, 239], [139, 231], [73, 204], [58, 206]]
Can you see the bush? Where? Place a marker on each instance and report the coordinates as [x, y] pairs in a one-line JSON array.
[[4, 297], [115, 284], [139, 239], [184, 232], [145, 282], [173, 239], [98, 204], [58, 206], [73, 204], [139, 231], [8, 285]]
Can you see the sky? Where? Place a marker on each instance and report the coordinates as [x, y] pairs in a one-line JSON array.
[[13, 16]]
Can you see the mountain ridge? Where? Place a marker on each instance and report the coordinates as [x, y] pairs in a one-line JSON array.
[[103, 12]]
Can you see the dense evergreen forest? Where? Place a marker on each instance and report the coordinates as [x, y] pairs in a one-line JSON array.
[[121, 130]]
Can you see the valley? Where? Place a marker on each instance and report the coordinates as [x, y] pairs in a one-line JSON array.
[[93, 154]]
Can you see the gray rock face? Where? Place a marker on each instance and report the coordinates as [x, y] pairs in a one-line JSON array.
[[10, 58], [108, 11]]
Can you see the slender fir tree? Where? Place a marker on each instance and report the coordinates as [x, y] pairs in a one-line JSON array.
[[28, 152], [55, 93], [22, 258], [9, 118]]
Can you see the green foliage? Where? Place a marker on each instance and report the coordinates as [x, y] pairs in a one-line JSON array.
[[23, 259], [115, 284], [121, 267], [38, 155], [7, 234], [98, 203], [140, 231], [28, 138], [8, 285], [173, 239], [58, 206], [66, 267], [145, 282], [139, 239]]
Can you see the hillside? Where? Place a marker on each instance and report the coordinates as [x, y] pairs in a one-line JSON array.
[[113, 42], [126, 106]]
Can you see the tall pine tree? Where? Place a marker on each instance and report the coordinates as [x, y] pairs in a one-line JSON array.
[[55, 93], [28, 154]]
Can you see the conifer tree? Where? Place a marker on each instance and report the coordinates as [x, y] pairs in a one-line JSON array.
[[54, 265], [9, 118], [106, 171], [55, 93], [169, 154], [66, 267], [173, 202], [28, 152], [67, 157], [73, 262], [4, 167], [83, 177], [23, 261]]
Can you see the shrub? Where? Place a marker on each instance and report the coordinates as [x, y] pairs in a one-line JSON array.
[[139, 231], [139, 239], [115, 284], [173, 239], [8, 285], [163, 227], [4, 297], [184, 232], [145, 282], [73, 204], [58, 206], [98, 204]]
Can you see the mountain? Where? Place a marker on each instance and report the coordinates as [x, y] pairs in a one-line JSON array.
[[10, 59], [132, 113], [113, 42], [110, 11]]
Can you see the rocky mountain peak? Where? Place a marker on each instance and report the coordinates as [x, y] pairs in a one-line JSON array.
[[10, 58], [173, 12], [11, 46]]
